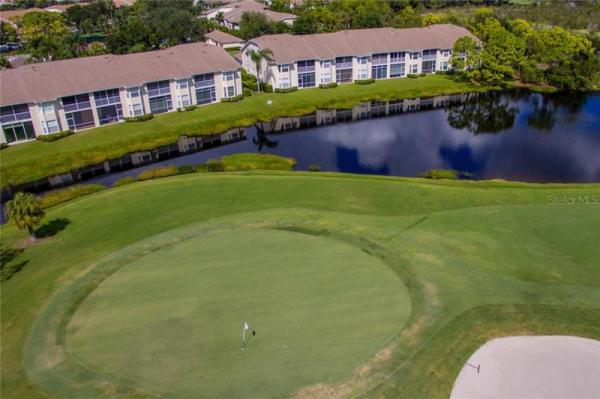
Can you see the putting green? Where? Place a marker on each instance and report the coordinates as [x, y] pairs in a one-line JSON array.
[[169, 323]]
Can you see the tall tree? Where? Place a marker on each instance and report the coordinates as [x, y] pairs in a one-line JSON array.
[[8, 33], [46, 36], [25, 213], [258, 56], [254, 24]]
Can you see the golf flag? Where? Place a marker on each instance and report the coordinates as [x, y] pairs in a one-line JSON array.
[[246, 327]]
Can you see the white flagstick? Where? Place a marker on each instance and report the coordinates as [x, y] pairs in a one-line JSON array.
[[244, 328]]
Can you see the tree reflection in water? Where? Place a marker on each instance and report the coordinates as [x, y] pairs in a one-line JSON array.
[[485, 113], [261, 139]]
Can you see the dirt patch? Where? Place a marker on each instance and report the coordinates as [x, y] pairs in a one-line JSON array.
[[24, 243], [431, 293], [361, 377], [410, 334]]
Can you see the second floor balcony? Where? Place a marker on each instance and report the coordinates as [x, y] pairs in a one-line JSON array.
[[159, 91], [77, 106], [14, 117], [100, 102]]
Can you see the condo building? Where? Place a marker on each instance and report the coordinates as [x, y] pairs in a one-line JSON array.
[[351, 55], [81, 93]]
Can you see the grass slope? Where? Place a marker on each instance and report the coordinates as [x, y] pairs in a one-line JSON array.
[[35, 160], [479, 259]]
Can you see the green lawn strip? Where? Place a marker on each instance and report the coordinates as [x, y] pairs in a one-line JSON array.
[[430, 253], [31, 161]]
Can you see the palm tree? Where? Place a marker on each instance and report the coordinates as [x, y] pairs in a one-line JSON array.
[[24, 212], [257, 57]]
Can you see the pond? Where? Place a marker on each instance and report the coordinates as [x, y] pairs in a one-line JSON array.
[[512, 135]]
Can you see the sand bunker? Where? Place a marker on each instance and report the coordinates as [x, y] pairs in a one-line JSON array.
[[543, 367]]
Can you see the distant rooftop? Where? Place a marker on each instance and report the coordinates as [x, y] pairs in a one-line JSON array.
[[223, 37], [50, 80], [289, 48], [233, 12]]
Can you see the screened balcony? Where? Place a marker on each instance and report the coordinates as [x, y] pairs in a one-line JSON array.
[[156, 89], [14, 113], [107, 97], [206, 80], [76, 103], [429, 55]]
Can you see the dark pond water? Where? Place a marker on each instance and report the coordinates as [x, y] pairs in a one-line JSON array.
[[512, 135]]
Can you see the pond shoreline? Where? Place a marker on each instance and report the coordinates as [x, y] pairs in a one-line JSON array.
[[33, 161]]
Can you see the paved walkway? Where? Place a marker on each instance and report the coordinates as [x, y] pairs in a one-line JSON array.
[[532, 367]]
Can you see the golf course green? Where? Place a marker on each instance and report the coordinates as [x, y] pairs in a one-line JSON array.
[[356, 286]]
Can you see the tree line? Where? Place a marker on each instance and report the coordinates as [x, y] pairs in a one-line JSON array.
[[516, 50]]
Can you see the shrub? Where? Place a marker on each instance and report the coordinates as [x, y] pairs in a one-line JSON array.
[[422, 74], [48, 138], [59, 196], [124, 181], [437, 174], [328, 85], [238, 162], [140, 118], [3, 146], [314, 168], [158, 172], [286, 90], [246, 92], [364, 81], [412, 76], [213, 166], [232, 99], [267, 88], [185, 169], [248, 81], [190, 108]]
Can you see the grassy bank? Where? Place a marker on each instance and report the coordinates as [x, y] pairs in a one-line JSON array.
[[31, 161], [479, 260]]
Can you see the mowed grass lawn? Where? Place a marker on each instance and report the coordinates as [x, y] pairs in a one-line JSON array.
[[31, 161], [356, 286]]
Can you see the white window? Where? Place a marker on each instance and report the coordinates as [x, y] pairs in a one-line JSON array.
[[182, 84], [326, 64], [284, 82], [326, 78], [183, 100], [228, 76], [229, 91], [48, 107], [363, 60], [362, 74], [414, 56], [51, 126], [414, 69], [446, 53], [444, 66], [133, 92], [284, 68], [136, 110]]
